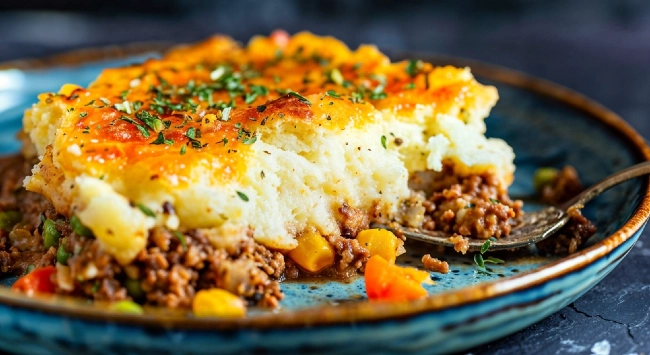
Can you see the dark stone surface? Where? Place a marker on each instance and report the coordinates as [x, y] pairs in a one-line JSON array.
[[599, 48]]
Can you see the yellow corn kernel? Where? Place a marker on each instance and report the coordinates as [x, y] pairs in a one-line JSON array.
[[379, 242], [216, 302], [313, 252]]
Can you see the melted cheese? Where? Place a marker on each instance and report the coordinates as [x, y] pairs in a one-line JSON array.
[[268, 139]]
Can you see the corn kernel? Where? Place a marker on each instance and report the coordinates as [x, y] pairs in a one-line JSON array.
[[313, 252], [216, 302], [379, 242]]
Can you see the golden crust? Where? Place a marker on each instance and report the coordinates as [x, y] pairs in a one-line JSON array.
[[304, 64], [201, 127]]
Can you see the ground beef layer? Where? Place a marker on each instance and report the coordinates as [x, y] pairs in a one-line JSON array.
[[173, 266], [474, 205]]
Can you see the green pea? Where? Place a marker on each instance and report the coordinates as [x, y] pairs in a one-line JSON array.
[[8, 219], [79, 228], [127, 307], [50, 234], [544, 176], [62, 256], [134, 288]]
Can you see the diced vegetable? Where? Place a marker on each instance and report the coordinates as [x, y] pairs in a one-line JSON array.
[[388, 282], [79, 228], [313, 252], [50, 234], [37, 281], [216, 302], [133, 288], [379, 242], [544, 176], [62, 256], [127, 307], [8, 219]]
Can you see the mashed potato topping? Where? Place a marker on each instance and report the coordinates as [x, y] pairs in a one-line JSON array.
[[269, 140]]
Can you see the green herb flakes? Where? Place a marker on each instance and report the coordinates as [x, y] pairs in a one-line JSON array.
[[225, 114], [414, 67], [161, 140], [242, 196], [300, 98], [181, 239], [332, 93], [146, 210], [383, 142]]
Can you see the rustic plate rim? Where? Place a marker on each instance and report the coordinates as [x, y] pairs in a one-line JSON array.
[[364, 311]]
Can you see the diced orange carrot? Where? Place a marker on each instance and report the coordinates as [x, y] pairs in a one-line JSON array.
[[388, 282]]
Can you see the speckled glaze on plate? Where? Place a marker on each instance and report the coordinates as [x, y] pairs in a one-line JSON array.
[[547, 125]]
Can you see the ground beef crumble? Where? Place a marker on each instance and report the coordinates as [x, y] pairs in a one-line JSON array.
[[562, 188], [461, 244], [475, 205], [433, 264]]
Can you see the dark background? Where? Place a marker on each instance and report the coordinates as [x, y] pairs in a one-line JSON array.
[[599, 48]]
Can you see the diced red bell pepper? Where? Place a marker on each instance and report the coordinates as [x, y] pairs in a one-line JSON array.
[[37, 281]]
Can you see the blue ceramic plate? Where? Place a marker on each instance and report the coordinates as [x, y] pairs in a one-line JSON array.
[[547, 125]]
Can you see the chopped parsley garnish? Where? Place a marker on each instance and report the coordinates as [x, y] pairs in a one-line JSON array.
[[414, 67], [409, 86], [261, 108], [495, 201], [83, 114], [225, 114], [146, 210], [249, 140], [152, 121], [218, 73], [161, 140], [123, 107], [191, 135], [383, 141], [470, 205], [336, 76], [183, 149], [124, 94], [142, 130], [332, 93], [300, 98], [242, 196], [181, 239], [105, 101], [255, 91], [90, 103]]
